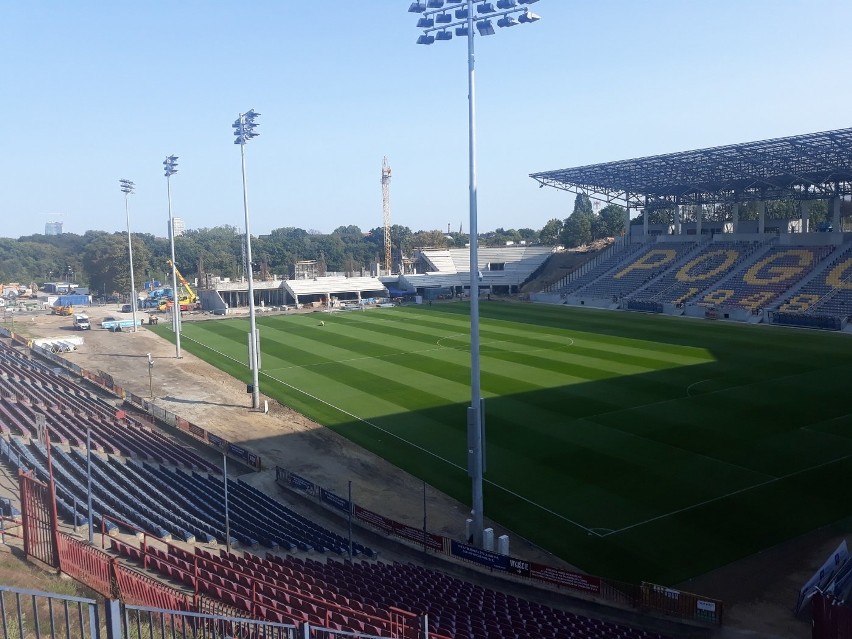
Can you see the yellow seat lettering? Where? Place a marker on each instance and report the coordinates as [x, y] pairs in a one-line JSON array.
[[651, 260], [688, 295], [800, 303], [756, 300], [764, 273], [719, 296], [841, 275], [685, 274]]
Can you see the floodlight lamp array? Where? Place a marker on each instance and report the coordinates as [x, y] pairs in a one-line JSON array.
[[170, 164], [127, 186], [244, 127], [440, 19]]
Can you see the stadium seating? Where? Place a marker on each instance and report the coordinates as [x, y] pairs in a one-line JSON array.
[[756, 286], [829, 293], [682, 283], [358, 596], [631, 274], [27, 388], [171, 503], [605, 265]]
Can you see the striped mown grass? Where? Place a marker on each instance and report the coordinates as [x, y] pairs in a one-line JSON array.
[[634, 446]]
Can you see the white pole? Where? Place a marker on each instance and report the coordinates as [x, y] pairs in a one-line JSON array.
[[175, 296], [227, 520], [474, 419], [88, 485], [130, 250], [253, 359]]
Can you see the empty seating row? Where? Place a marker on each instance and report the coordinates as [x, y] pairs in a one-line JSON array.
[[170, 503], [359, 595]]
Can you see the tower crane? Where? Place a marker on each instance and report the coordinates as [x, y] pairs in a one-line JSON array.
[[386, 178]]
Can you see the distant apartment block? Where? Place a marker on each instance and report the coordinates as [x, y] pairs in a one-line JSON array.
[[179, 226], [53, 228]]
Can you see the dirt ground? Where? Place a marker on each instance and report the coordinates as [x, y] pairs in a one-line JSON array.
[[759, 592]]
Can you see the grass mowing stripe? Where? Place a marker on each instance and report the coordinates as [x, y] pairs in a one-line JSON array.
[[700, 395], [667, 474]]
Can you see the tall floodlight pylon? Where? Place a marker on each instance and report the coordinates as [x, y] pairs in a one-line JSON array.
[[170, 164], [129, 188], [437, 22], [386, 178], [244, 130]]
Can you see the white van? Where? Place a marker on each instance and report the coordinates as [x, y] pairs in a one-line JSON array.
[[81, 322]]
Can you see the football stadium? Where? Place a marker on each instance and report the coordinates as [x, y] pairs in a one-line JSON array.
[[673, 406], [646, 435]]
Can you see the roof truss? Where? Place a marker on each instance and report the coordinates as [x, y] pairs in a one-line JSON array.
[[801, 167]]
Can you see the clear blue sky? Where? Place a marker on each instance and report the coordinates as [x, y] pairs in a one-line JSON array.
[[97, 91]]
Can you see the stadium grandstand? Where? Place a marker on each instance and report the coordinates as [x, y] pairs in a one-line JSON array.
[[325, 290], [772, 271], [446, 273], [154, 502]]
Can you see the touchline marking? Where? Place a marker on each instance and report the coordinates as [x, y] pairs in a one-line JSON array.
[[714, 460], [591, 531], [731, 494], [402, 439], [337, 408]]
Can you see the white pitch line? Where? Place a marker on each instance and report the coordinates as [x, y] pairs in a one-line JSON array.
[[337, 408], [405, 441], [589, 530], [700, 381], [731, 494]]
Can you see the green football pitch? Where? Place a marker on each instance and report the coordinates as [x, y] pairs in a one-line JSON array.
[[637, 447]]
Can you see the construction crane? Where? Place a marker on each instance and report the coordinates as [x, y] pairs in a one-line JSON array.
[[188, 301], [386, 178]]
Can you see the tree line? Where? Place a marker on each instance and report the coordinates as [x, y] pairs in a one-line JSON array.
[[98, 260]]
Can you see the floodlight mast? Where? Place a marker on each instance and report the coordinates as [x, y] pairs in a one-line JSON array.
[[244, 130], [438, 12], [170, 167], [128, 188]]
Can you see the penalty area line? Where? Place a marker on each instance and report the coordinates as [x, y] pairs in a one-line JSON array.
[[725, 496]]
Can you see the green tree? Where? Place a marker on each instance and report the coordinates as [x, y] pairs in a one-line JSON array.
[[551, 233], [655, 216], [612, 220], [583, 204], [107, 263], [577, 229]]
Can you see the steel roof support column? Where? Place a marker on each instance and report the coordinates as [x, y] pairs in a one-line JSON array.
[[735, 214], [761, 217], [646, 212], [835, 217], [677, 225], [699, 213], [627, 217], [804, 209]]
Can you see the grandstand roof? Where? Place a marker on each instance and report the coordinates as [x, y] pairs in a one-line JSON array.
[[802, 167], [334, 285]]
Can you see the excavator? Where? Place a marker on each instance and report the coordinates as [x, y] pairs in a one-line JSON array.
[[188, 302]]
